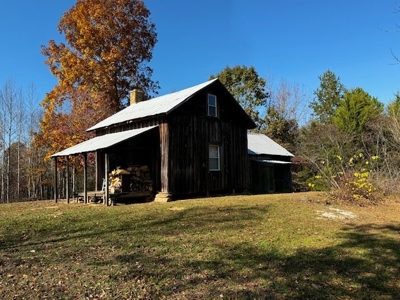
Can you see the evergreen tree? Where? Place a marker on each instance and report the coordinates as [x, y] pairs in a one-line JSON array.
[[328, 97], [355, 110]]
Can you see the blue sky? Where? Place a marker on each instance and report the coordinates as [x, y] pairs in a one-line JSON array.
[[291, 40]]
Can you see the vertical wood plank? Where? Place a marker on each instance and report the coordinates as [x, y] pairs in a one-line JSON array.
[[106, 171], [55, 181], [99, 170], [85, 191], [164, 143], [164, 195], [67, 178]]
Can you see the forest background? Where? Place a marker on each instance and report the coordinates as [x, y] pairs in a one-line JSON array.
[[344, 140]]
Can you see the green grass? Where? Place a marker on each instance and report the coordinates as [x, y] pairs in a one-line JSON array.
[[242, 247]]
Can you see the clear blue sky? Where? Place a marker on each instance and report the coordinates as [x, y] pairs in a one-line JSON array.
[[292, 40]]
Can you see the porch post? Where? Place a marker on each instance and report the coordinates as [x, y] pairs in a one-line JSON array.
[[99, 170], [164, 195], [67, 178], [85, 198], [106, 171], [55, 180]]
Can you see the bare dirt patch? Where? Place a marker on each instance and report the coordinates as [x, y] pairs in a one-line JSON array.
[[335, 213]]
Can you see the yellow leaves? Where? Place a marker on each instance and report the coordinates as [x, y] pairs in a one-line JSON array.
[[355, 178]]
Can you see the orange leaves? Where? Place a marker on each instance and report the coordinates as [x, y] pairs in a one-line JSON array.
[[107, 44], [108, 41], [66, 126]]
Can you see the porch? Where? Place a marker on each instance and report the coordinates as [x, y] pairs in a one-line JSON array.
[[133, 150]]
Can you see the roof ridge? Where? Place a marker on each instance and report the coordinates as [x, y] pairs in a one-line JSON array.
[[154, 106]]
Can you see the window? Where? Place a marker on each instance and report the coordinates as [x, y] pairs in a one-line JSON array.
[[212, 105], [214, 159]]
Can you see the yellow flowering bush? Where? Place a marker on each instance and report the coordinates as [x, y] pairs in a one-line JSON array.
[[355, 183]]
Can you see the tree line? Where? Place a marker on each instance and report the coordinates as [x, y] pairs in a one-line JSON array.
[[348, 143], [343, 138], [23, 172]]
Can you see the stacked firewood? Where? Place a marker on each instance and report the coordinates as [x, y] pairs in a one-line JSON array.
[[139, 179], [115, 183]]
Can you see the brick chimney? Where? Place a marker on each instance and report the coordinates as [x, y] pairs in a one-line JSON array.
[[136, 96]]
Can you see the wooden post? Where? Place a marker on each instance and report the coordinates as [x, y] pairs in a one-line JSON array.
[[85, 197], [67, 179], [164, 195], [106, 171], [55, 181], [73, 180], [99, 170]]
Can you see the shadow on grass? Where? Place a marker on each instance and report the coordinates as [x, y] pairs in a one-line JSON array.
[[176, 254], [107, 226], [365, 266]]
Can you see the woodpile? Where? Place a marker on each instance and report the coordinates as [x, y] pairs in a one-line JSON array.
[[133, 179], [140, 179]]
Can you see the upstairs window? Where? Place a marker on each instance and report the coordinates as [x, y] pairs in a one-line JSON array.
[[214, 158], [212, 105]]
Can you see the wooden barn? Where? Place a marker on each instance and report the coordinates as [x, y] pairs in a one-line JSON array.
[[270, 165], [191, 142]]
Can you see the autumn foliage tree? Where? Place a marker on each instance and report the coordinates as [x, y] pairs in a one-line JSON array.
[[107, 45]]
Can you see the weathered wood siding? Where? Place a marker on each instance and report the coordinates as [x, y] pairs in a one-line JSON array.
[[191, 133], [184, 138]]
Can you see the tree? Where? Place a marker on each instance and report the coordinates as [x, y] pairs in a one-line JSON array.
[[14, 132], [61, 130], [286, 109], [393, 108], [108, 43], [324, 147], [247, 88], [283, 131], [328, 97], [356, 109]]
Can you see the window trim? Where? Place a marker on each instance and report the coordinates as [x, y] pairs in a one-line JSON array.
[[218, 157], [210, 105]]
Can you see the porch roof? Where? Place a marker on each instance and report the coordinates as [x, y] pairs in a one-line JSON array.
[[102, 142]]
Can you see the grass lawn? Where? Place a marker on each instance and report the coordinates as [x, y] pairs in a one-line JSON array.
[[290, 246]]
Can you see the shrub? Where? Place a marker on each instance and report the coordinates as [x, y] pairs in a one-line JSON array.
[[355, 182]]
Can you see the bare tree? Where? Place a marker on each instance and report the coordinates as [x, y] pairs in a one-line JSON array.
[[8, 105], [33, 158], [290, 99]]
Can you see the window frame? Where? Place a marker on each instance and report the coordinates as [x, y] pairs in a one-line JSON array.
[[217, 158], [209, 105]]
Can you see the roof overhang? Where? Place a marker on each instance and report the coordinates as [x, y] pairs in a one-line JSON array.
[[102, 142]]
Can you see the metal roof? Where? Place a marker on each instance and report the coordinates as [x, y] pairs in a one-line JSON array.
[[102, 142], [160, 105], [258, 144], [279, 162]]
